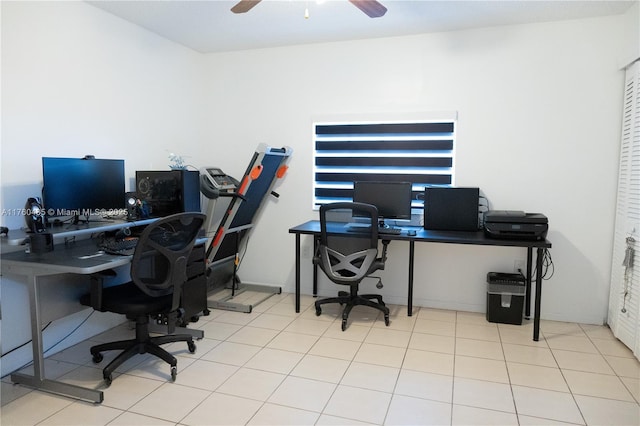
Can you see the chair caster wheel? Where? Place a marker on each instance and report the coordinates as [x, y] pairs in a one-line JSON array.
[[318, 311], [174, 373], [108, 379], [386, 320], [344, 324], [97, 358], [192, 347]]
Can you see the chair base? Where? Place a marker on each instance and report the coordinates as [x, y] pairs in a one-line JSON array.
[[143, 343], [353, 299]]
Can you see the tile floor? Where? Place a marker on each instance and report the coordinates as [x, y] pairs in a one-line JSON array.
[[276, 367]]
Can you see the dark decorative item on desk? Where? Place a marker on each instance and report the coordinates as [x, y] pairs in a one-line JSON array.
[[40, 241], [145, 210]]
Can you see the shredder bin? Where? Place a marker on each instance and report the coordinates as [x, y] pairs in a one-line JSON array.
[[505, 297]]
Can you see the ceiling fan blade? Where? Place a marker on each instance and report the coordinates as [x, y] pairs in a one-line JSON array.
[[372, 8], [244, 6]]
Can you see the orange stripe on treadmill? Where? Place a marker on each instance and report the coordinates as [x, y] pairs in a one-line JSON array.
[[255, 173], [281, 171], [243, 185], [218, 236]]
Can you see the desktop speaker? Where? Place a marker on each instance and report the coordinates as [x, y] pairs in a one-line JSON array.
[[451, 209], [134, 206], [166, 192], [34, 216]]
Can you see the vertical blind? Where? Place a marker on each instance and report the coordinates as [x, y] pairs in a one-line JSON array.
[[418, 152]]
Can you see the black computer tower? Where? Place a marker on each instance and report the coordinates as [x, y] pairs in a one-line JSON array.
[[451, 209], [166, 192]]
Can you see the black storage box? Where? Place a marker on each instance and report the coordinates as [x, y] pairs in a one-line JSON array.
[[505, 297]]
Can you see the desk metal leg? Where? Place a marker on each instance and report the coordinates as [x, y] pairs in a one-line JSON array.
[[527, 295], [297, 272], [38, 380], [538, 301], [410, 293], [316, 242]]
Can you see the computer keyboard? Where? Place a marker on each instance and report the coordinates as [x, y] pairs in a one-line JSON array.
[[125, 246], [390, 231], [363, 227]]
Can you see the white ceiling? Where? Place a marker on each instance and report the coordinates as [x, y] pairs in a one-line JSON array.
[[209, 25]]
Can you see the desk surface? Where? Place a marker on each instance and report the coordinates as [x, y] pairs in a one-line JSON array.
[[312, 227], [81, 257]]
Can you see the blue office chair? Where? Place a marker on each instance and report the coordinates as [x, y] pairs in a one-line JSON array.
[[349, 257], [158, 271]]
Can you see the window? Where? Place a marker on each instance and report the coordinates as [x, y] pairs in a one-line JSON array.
[[420, 152]]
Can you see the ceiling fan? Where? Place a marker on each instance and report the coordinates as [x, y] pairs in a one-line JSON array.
[[372, 8]]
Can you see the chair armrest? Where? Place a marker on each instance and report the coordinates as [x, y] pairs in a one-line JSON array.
[[385, 244]]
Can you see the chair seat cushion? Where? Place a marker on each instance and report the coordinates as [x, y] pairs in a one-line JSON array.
[[130, 300]]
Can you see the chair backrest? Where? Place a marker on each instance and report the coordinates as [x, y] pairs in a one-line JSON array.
[[347, 257], [159, 264]]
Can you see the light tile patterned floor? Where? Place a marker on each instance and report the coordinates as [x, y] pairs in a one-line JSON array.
[[276, 367]]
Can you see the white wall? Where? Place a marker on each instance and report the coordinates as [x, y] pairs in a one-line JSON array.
[[538, 129], [76, 81], [539, 116]]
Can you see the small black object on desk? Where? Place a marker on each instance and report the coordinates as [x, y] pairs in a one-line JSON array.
[[40, 242]]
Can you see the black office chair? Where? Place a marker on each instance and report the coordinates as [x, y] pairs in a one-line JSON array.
[[349, 257], [158, 271]]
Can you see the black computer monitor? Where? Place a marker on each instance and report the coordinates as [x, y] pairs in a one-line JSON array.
[[392, 199], [82, 187]]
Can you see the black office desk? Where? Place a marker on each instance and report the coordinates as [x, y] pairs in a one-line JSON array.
[[451, 237]]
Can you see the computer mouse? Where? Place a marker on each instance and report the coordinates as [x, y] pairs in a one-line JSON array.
[[411, 233]]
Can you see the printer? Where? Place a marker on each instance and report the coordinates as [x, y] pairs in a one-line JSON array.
[[515, 224]]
